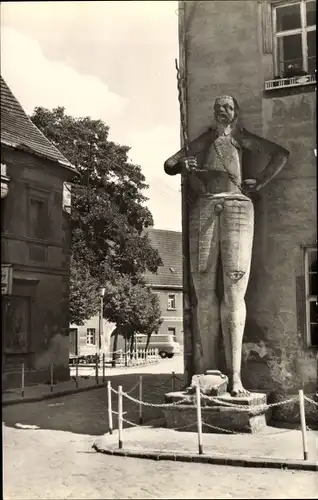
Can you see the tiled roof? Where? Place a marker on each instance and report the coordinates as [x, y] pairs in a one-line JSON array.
[[169, 245], [18, 131]]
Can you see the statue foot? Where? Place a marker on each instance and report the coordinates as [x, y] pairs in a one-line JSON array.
[[238, 389]]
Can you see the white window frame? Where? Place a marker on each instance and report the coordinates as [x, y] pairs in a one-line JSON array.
[[171, 330], [171, 302], [90, 335], [309, 298], [303, 30]]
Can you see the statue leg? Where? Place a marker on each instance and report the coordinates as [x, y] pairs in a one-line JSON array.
[[237, 228], [204, 253]]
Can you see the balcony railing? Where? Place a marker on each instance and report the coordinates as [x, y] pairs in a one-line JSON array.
[[295, 81]]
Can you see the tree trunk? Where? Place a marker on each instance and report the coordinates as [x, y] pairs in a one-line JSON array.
[[132, 338], [126, 363], [148, 341]]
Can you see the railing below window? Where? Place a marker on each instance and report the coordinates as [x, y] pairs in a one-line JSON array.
[[295, 81]]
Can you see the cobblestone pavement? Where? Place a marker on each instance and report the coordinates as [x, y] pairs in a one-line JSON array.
[[48, 454]]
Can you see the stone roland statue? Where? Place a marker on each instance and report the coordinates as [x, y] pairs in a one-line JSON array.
[[221, 227]]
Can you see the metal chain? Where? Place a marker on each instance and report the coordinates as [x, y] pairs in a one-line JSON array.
[[311, 401], [229, 174], [164, 405], [239, 408]]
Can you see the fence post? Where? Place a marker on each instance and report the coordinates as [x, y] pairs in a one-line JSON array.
[[303, 423], [22, 381], [103, 367], [96, 368], [51, 376], [140, 401], [76, 373], [173, 382], [109, 401], [120, 417], [199, 419]]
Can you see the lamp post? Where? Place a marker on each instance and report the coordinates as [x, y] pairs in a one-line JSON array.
[[101, 317]]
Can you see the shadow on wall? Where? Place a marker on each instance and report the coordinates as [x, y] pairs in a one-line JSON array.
[[257, 359]]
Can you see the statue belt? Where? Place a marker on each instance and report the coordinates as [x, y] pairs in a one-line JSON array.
[[221, 200]]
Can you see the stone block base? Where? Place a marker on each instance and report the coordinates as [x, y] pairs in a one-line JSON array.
[[217, 417], [290, 412]]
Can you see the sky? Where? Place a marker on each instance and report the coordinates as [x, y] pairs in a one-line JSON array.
[[109, 60]]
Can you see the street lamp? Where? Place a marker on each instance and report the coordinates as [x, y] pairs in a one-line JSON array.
[[101, 316]]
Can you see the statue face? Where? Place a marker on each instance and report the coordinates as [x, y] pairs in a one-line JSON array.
[[224, 110]]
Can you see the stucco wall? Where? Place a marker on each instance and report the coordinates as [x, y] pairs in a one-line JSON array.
[[224, 55], [171, 318], [86, 349]]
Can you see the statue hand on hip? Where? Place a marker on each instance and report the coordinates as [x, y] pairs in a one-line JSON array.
[[249, 186]]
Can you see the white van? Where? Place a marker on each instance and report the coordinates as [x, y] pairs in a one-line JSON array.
[[166, 344]]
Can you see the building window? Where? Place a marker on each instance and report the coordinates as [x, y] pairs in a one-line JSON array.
[[172, 331], [38, 218], [171, 301], [295, 38], [311, 287], [90, 336]]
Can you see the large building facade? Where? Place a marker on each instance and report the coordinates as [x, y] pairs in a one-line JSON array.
[[35, 249], [254, 50]]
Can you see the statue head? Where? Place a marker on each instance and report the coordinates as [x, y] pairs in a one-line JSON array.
[[226, 109]]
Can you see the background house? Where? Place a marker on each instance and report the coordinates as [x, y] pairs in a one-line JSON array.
[[35, 248], [166, 283], [244, 49]]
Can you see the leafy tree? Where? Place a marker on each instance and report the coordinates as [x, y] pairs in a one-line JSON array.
[[108, 213], [84, 294], [133, 307]]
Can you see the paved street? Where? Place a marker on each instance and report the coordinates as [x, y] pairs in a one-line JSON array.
[[59, 465], [48, 454]]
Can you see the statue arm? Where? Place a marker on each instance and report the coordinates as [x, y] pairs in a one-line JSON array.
[[278, 156], [172, 165]]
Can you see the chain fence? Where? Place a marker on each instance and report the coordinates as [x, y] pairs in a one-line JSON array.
[[194, 402]]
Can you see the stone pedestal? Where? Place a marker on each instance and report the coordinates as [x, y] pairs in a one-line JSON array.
[[217, 414]]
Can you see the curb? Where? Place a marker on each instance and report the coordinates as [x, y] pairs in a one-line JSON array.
[[267, 463], [52, 395]]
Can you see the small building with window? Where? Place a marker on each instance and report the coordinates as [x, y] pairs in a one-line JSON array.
[[84, 339], [263, 52], [35, 249], [167, 281]]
